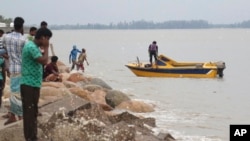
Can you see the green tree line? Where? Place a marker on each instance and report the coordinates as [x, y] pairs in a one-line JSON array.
[[142, 24], [5, 20], [193, 24]]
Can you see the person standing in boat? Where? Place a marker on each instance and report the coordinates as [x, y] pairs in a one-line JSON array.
[[153, 51]]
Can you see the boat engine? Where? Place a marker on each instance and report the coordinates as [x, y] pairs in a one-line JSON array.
[[220, 67]]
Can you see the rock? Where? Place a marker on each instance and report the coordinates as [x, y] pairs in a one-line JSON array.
[[98, 97], [136, 106], [51, 94], [65, 76], [120, 132], [166, 137], [75, 77], [89, 122], [132, 119], [63, 69], [60, 63], [53, 84], [106, 107], [141, 137], [115, 97], [80, 92], [92, 87], [69, 84], [14, 132], [90, 111], [66, 104], [100, 82]]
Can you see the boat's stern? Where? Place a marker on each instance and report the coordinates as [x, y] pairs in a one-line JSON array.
[[220, 68]]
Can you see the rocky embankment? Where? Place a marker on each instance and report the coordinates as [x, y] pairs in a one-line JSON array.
[[83, 108]]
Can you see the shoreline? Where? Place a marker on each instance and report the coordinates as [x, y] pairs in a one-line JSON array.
[[80, 93]]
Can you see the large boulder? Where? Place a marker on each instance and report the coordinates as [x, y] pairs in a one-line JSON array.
[[136, 106], [115, 97], [92, 87], [98, 97], [76, 77], [89, 122], [80, 92], [100, 82], [50, 94], [69, 84], [65, 76], [53, 84]]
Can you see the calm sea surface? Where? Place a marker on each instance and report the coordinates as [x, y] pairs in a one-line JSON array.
[[190, 109]]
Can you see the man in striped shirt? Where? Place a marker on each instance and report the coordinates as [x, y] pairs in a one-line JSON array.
[[14, 43]]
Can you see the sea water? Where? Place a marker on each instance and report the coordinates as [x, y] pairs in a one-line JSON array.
[[191, 109]]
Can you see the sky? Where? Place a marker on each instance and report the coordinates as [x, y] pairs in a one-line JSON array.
[[63, 12]]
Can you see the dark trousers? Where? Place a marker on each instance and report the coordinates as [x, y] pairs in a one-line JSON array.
[[73, 64], [151, 54], [30, 97]]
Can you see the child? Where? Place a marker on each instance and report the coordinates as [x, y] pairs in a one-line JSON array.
[[81, 59]]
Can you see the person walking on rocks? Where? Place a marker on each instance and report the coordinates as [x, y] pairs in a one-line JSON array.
[[73, 56], [31, 81], [82, 57]]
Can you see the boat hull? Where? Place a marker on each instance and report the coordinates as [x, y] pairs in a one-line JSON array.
[[167, 67], [158, 72]]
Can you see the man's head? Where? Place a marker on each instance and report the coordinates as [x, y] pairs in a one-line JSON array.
[[33, 31], [154, 42], [42, 36], [43, 24], [18, 23], [54, 59], [83, 50]]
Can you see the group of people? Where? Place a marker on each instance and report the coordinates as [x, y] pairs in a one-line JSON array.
[[22, 59], [81, 58]]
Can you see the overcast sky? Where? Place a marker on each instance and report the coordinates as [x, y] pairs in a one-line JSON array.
[[114, 11]]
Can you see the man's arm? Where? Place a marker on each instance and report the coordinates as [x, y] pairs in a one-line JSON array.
[[44, 58], [86, 60]]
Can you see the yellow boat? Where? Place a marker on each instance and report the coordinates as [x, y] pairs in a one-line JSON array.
[[167, 67]]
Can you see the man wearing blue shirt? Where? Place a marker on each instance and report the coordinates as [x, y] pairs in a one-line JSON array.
[[73, 56]]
